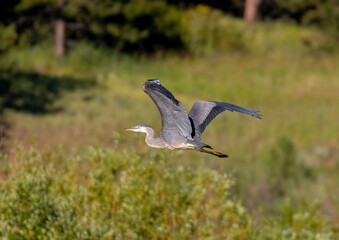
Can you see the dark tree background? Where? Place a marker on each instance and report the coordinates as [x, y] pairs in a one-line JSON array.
[[141, 25]]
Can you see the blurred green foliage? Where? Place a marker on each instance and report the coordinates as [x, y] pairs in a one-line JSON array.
[[286, 71], [33, 92], [152, 25], [141, 25], [30, 211], [324, 14], [105, 194], [285, 168], [297, 224], [211, 30], [8, 36]]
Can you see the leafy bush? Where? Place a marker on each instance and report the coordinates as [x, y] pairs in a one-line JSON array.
[[8, 36], [312, 12], [304, 224], [112, 195], [30, 211], [106, 194], [211, 30], [284, 167], [134, 25]]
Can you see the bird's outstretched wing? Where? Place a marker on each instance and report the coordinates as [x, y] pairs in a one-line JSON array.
[[175, 123], [203, 112]]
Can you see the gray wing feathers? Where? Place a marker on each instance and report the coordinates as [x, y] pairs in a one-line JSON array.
[[203, 112], [174, 120]]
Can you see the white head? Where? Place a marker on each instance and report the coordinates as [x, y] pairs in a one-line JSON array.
[[138, 128]]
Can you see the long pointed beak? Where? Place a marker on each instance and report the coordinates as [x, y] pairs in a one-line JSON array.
[[130, 129]]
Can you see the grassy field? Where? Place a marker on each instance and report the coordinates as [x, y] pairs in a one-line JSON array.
[[284, 166]]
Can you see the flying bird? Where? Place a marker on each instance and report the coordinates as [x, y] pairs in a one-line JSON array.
[[180, 130]]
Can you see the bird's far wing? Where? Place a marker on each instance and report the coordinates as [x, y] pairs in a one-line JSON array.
[[203, 112], [174, 119]]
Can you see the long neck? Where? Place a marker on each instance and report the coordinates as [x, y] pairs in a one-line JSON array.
[[152, 141]]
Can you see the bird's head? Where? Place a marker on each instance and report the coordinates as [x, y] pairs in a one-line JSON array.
[[138, 128]]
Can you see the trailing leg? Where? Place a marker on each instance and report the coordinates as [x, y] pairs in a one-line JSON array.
[[218, 154]]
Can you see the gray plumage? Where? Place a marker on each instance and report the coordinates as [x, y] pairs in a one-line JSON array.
[[203, 112], [175, 125], [179, 129]]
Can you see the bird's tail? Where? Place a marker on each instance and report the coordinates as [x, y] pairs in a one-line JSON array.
[[218, 154]]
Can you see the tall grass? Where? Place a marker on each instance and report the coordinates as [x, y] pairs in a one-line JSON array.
[[296, 93]]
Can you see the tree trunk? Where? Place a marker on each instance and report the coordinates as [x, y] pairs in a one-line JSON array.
[[60, 31], [251, 11]]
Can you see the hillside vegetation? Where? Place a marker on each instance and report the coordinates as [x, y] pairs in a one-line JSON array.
[[68, 170], [106, 194]]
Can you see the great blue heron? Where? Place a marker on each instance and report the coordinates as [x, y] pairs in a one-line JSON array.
[[179, 129]]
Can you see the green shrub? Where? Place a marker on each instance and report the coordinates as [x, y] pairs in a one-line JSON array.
[[30, 211], [298, 224], [285, 167], [112, 195], [211, 30], [8, 36], [323, 14], [134, 25]]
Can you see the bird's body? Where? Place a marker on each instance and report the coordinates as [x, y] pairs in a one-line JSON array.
[[179, 129]]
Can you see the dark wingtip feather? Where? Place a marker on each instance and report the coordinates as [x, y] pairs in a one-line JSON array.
[[150, 82], [154, 84], [257, 114]]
